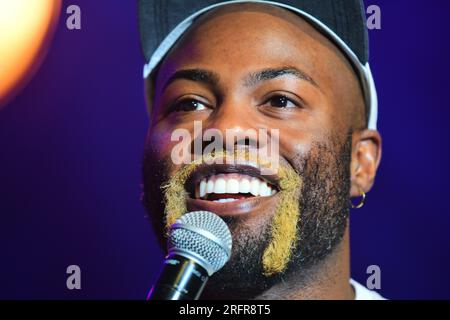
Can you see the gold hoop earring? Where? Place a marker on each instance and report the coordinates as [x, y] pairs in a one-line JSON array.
[[361, 203]]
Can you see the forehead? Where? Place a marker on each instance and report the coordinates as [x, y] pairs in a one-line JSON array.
[[241, 38]]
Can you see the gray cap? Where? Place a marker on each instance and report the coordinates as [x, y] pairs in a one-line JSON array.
[[163, 22]]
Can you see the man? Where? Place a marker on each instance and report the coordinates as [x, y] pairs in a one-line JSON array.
[[296, 70]]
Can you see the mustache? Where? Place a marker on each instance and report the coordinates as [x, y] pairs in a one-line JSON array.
[[175, 185], [283, 231]]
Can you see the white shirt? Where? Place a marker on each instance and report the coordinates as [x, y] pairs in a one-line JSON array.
[[362, 293]]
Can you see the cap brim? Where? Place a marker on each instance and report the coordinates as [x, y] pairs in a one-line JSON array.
[[363, 70]]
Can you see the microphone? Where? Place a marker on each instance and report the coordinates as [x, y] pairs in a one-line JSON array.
[[199, 245]]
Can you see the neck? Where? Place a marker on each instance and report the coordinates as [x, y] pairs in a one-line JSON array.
[[329, 280]]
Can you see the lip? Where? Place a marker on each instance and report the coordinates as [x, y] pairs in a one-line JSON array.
[[207, 170], [247, 206]]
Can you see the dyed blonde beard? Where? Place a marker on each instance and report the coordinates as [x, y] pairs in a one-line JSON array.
[[284, 225]]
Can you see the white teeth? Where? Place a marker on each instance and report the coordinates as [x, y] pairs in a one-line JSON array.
[[210, 186], [220, 186], [254, 187], [232, 186], [202, 188], [233, 183], [244, 186], [262, 189], [225, 200], [268, 191]]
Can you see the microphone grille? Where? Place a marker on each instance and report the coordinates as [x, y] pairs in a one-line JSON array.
[[204, 236]]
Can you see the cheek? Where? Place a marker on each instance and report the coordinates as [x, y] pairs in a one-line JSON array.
[[298, 133], [159, 141], [298, 138], [169, 145], [294, 144]]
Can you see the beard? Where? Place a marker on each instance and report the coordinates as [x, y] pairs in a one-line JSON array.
[[323, 198]]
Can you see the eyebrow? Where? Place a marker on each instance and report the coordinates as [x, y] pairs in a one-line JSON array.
[[198, 75], [212, 79], [272, 73]]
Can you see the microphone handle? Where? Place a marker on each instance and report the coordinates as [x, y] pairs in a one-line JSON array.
[[180, 279]]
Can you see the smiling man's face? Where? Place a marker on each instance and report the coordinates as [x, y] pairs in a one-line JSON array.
[[252, 67]]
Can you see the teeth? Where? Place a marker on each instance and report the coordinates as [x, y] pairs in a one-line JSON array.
[[244, 186], [225, 200], [232, 186], [254, 187], [262, 189], [202, 188], [210, 186], [233, 183], [220, 186]]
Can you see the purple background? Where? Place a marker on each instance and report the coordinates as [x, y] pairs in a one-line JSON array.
[[71, 145]]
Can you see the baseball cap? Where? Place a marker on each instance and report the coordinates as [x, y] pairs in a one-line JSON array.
[[163, 22]]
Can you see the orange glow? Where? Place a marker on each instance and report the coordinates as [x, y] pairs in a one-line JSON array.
[[26, 26]]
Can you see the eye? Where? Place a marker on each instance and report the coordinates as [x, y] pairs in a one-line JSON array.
[[188, 105], [281, 101]]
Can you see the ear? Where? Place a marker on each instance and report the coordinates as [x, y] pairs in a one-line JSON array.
[[366, 156]]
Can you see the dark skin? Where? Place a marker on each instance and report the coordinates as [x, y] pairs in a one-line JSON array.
[[324, 101]]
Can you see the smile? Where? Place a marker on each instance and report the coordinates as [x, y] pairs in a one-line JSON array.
[[230, 189]]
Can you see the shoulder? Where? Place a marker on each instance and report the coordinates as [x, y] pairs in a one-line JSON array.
[[362, 293]]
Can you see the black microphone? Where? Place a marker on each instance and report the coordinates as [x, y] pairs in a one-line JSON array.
[[199, 245]]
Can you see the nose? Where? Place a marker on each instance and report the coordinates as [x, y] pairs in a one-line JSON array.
[[238, 124]]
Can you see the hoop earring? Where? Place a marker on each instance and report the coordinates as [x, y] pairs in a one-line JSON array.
[[361, 203]]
